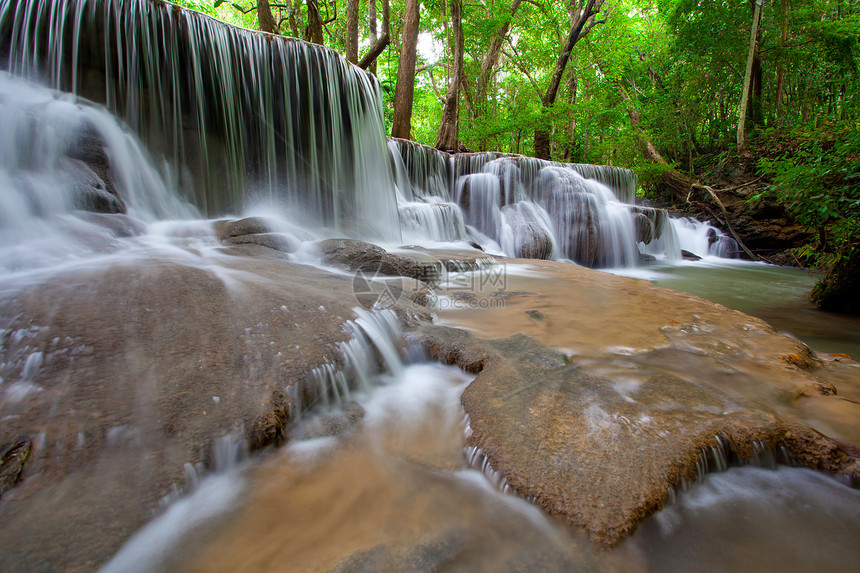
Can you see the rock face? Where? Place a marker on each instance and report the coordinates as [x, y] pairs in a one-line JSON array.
[[838, 291], [88, 164], [355, 255], [662, 387], [122, 375]]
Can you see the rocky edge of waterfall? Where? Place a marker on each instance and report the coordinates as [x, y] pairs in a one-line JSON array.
[[175, 362]]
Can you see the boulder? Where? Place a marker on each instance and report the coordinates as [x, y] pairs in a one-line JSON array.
[[89, 150], [688, 256], [354, 255], [90, 192], [229, 228], [839, 290], [645, 396]]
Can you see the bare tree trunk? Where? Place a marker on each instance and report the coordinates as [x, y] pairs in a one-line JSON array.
[[448, 137], [352, 31], [780, 74], [582, 20], [405, 88], [491, 58], [571, 128], [371, 17], [380, 43], [748, 76], [314, 31], [265, 18]]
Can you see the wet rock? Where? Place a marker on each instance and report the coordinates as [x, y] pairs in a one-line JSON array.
[[90, 192], [175, 358], [226, 229], [688, 256], [532, 238], [355, 255], [12, 464], [275, 241], [535, 314], [90, 151], [598, 437], [838, 290], [587, 453]]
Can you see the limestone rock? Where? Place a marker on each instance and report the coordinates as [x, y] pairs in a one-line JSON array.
[[687, 255], [355, 255], [174, 358]]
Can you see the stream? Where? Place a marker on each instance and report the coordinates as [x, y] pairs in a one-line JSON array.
[[779, 295]]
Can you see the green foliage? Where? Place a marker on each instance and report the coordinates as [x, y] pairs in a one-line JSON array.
[[819, 181]]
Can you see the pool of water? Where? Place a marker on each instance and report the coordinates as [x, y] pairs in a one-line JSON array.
[[778, 295]]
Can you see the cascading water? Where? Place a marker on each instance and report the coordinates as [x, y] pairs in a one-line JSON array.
[[703, 240], [526, 207], [64, 163], [238, 114], [245, 117]]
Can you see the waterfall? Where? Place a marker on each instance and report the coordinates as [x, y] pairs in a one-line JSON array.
[[703, 240], [527, 207], [232, 117], [237, 114]]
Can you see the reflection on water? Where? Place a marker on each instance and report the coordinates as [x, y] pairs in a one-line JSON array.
[[778, 295]]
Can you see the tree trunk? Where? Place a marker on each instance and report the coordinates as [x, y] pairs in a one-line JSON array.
[[780, 74], [314, 31], [571, 127], [405, 88], [491, 58], [582, 20], [378, 45], [748, 76], [448, 137], [265, 18], [352, 31], [371, 17]]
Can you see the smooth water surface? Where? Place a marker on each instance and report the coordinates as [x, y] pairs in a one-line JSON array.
[[778, 295]]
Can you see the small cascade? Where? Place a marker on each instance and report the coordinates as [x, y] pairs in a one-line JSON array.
[[64, 166], [656, 234], [421, 172], [527, 207], [433, 220], [703, 240], [237, 114], [373, 347]]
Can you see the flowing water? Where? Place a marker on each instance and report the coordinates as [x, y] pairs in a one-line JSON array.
[[196, 119], [382, 482], [779, 295]]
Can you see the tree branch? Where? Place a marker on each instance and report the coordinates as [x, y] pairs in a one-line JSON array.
[[375, 51]]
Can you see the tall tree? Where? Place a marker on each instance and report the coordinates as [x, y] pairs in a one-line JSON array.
[[583, 17], [745, 94], [314, 31], [265, 18], [405, 89], [448, 136], [352, 31], [377, 44], [491, 58]]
